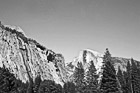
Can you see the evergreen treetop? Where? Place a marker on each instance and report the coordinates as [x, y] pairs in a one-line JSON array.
[[91, 79], [109, 83]]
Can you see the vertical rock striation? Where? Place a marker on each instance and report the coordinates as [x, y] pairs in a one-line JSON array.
[[26, 58]]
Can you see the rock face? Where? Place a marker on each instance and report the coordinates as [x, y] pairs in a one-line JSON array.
[[87, 55], [26, 58]]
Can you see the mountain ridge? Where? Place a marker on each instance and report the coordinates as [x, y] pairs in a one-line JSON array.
[[27, 59]]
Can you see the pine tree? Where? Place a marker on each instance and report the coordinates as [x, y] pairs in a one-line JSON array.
[[135, 78], [7, 80], [79, 78], [108, 82], [84, 56], [125, 83], [9, 83], [121, 80], [37, 84], [138, 73], [128, 78], [92, 78], [69, 87], [48, 86]]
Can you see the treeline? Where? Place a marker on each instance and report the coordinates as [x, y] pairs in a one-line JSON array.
[[22, 36], [110, 81], [130, 80]]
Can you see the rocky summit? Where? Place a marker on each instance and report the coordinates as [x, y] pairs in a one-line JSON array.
[[27, 59]]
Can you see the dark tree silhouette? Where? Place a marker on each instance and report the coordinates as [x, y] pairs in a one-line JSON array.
[[108, 82], [48, 86], [69, 87], [135, 78], [9, 84], [91, 79], [121, 80], [37, 84], [7, 81], [84, 56], [79, 78], [128, 83]]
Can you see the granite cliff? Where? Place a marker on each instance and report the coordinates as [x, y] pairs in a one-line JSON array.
[[27, 59]]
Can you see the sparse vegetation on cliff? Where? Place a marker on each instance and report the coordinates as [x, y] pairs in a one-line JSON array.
[[23, 37]]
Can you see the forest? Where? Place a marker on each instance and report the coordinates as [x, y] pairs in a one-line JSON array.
[[111, 81]]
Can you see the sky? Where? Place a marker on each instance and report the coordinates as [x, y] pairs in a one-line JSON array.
[[69, 26]]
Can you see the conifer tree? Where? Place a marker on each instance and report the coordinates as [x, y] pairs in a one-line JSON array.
[[48, 86], [37, 84], [125, 83], [135, 78], [69, 87], [9, 83], [79, 77], [128, 78], [121, 80], [84, 56], [108, 82], [91, 79]]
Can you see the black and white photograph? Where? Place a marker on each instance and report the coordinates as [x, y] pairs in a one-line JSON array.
[[69, 46]]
